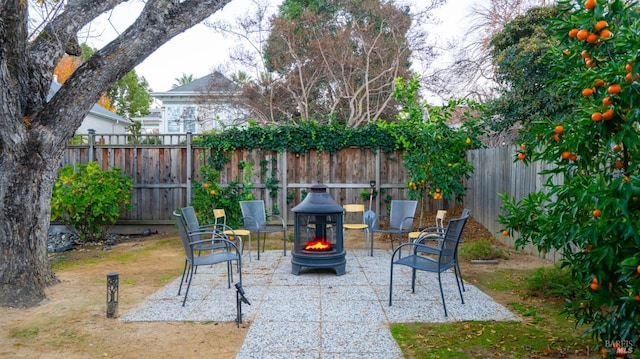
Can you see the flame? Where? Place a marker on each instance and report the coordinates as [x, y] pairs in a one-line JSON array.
[[319, 245]]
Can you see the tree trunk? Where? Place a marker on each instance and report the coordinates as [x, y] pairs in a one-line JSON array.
[[35, 129], [25, 203]]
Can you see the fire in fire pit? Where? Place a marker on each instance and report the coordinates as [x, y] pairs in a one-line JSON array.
[[318, 245], [318, 237]]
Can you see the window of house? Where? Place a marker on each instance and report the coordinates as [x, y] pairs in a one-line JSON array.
[[181, 119]]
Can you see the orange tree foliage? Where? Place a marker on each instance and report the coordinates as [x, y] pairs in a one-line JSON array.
[[590, 207]]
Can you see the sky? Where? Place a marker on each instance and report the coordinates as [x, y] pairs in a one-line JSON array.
[[199, 50]]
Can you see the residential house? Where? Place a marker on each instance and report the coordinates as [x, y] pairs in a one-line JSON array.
[[99, 119], [206, 104]]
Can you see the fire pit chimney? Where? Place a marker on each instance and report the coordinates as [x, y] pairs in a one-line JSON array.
[[318, 235]]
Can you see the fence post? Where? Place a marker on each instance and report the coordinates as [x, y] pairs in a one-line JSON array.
[[189, 167], [92, 134]]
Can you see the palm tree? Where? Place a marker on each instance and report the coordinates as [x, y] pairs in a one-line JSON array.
[[185, 79]]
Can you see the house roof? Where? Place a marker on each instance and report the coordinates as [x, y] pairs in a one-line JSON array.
[[214, 83], [96, 110]]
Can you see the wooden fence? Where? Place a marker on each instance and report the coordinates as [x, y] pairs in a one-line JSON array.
[[164, 171], [497, 172]]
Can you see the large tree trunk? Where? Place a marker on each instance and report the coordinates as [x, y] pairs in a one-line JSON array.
[[35, 130], [26, 214]]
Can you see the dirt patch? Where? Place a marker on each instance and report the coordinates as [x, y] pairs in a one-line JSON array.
[[72, 322]]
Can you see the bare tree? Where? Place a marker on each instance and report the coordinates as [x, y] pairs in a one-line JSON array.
[[34, 130], [470, 73]]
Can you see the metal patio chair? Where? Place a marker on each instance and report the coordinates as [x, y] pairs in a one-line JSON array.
[[432, 259], [223, 251], [256, 220], [400, 220]]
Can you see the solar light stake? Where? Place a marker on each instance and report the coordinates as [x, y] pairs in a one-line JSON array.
[[112, 294]]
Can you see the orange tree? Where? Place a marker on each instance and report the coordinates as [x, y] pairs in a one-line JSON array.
[[434, 152], [589, 208]]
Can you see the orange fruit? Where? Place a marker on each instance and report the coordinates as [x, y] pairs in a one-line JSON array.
[[566, 155], [606, 34], [600, 25], [206, 185], [592, 38], [573, 32], [607, 101], [638, 269], [614, 89], [628, 67], [594, 280], [594, 286], [582, 34], [521, 156], [596, 116], [608, 114], [617, 148], [619, 165], [573, 157], [212, 192], [587, 92], [598, 82], [590, 63], [523, 146], [631, 78], [556, 138], [585, 54], [506, 233], [559, 129], [637, 297], [596, 213], [590, 4]]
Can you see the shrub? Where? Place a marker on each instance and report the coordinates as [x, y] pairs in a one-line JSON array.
[[209, 195], [553, 282], [484, 249], [88, 201]]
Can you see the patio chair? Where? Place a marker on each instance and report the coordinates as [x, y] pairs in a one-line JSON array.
[[432, 259], [225, 251], [433, 236], [357, 210], [220, 217], [255, 219], [400, 220]]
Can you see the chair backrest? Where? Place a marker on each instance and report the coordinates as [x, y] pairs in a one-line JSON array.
[[451, 240], [354, 209], [401, 209], [253, 209], [190, 218], [440, 218], [184, 234], [220, 217]]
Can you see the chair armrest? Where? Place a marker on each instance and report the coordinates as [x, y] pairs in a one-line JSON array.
[[402, 224], [254, 222], [278, 217]]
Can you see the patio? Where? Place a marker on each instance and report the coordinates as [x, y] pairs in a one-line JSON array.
[[318, 314]]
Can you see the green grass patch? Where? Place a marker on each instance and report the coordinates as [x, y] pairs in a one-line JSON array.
[[543, 332], [25, 333]]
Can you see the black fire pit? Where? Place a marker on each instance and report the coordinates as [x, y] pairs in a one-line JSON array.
[[318, 240]]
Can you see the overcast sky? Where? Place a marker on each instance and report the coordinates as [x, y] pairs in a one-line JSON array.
[[198, 50]]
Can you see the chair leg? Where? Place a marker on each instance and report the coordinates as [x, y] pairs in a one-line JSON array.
[[184, 271], [391, 282], [458, 283], [413, 279], [444, 305], [186, 292], [284, 243], [460, 275]]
